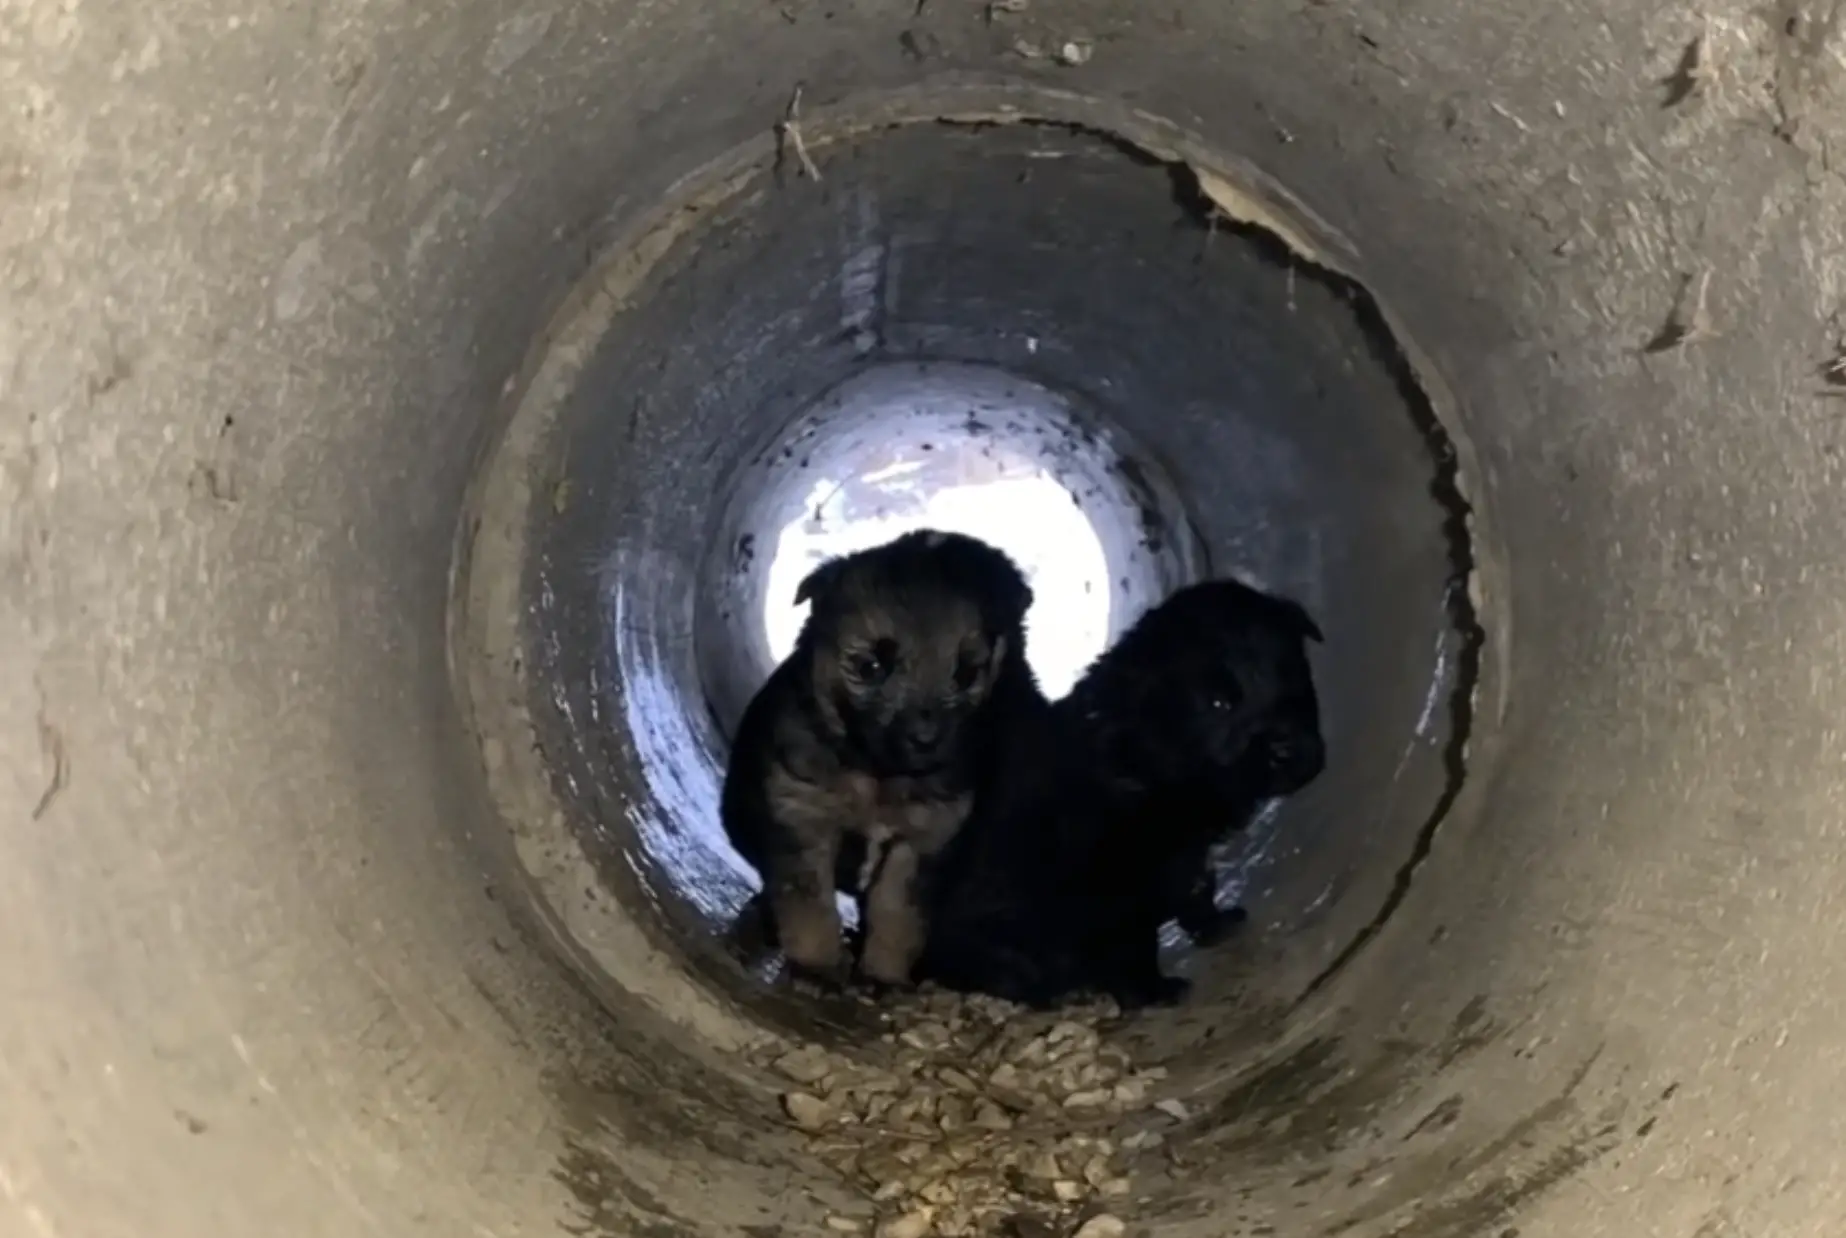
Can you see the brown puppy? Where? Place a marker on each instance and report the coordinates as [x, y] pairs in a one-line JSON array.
[[859, 759]]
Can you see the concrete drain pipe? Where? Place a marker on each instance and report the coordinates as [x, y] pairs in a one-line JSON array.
[[401, 403]]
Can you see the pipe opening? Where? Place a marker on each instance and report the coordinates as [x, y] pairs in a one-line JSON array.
[[323, 327], [949, 311]]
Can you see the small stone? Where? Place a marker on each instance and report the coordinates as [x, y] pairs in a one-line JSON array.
[[1115, 1188], [1130, 1092], [1075, 53], [1033, 1189], [880, 1166], [844, 1225], [938, 1164], [1066, 1191], [1142, 1141], [840, 1156], [957, 1080], [1097, 1171], [926, 1037], [1018, 1100], [1175, 1109], [1025, 1225], [806, 1110], [916, 1224], [990, 1117], [804, 1066], [940, 1194], [1095, 1098], [958, 1153], [1044, 1166], [1102, 1225]]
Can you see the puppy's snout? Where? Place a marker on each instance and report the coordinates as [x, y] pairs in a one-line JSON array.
[[925, 732]]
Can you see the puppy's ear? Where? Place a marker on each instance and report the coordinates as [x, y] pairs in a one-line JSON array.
[[1006, 585], [820, 581], [1299, 621]]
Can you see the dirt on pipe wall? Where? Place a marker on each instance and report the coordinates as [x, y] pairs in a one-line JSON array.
[[355, 360]]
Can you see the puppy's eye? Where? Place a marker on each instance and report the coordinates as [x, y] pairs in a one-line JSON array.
[[874, 665], [968, 670]]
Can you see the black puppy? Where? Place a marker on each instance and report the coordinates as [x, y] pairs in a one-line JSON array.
[[857, 761], [1100, 831]]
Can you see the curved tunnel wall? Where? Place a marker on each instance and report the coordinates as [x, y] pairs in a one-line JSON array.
[[1232, 417], [273, 284]]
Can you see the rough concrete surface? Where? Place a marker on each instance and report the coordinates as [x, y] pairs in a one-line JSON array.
[[297, 942]]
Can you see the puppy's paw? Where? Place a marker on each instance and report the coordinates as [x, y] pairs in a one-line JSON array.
[[1210, 928], [880, 990], [871, 974], [812, 944], [828, 981], [883, 970], [895, 932]]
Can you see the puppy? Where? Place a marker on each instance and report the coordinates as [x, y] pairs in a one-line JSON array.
[[1101, 830], [857, 761]]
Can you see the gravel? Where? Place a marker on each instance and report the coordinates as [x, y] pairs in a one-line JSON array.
[[1103, 1225], [810, 1113], [973, 1118]]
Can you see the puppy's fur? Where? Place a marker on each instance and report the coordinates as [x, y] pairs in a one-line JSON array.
[[1100, 832], [862, 752]]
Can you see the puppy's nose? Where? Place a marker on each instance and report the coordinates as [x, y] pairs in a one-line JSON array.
[[924, 731]]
